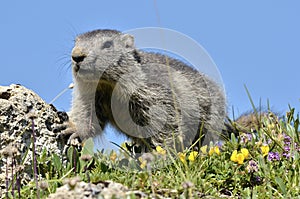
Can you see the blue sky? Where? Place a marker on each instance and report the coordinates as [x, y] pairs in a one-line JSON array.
[[256, 42]]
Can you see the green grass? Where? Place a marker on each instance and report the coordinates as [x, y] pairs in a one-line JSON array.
[[210, 174]]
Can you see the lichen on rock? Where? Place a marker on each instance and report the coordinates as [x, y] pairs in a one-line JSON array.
[[21, 112], [77, 189]]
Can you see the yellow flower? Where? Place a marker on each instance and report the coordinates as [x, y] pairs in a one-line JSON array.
[[143, 162], [160, 150], [233, 157], [245, 152], [217, 150], [113, 156], [182, 157], [203, 149], [240, 158], [213, 150], [192, 156], [265, 150]]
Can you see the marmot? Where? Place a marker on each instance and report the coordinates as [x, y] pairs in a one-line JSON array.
[[152, 98]]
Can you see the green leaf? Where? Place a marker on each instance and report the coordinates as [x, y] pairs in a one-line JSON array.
[[251, 101], [70, 153], [88, 148], [43, 157], [72, 156], [281, 185], [103, 167], [56, 162], [234, 140]]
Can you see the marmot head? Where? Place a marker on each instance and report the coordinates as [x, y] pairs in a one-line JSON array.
[[97, 50]]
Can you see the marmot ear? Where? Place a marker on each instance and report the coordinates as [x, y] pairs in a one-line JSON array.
[[128, 40]]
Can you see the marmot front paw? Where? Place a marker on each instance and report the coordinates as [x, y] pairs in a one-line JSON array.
[[68, 133]]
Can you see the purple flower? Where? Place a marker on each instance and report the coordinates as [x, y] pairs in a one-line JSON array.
[[297, 148], [246, 137], [252, 166], [287, 144], [287, 148], [272, 156], [249, 136], [287, 139], [220, 144], [286, 155], [256, 180]]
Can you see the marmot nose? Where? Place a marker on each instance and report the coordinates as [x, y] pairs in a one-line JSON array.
[[77, 55]]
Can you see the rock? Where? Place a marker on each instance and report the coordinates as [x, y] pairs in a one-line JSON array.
[[20, 106], [103, 190]]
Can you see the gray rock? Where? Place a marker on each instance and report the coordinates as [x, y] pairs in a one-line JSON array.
[[101, 190], [20, 106]]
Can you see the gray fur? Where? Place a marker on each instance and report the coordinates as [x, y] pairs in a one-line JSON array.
[[151, 98]]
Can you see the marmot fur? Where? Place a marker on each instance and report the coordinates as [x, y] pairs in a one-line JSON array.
[[153, 99]]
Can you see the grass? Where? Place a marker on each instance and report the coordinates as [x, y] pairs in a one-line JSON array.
[[262, 163]]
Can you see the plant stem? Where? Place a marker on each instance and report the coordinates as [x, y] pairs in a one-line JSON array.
[[74, 160], [12, 177], [6, 179], [18, 184], [34, 161]]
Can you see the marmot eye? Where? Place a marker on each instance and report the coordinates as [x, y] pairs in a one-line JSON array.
[[107, 44]]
